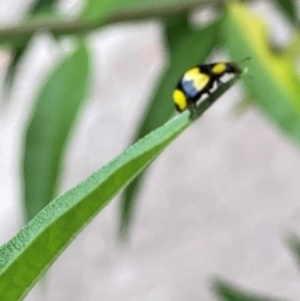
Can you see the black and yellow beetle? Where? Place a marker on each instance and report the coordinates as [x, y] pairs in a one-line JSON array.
[[200, 80]]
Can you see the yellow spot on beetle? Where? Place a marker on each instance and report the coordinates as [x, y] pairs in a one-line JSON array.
[[189, 75], [219, 68], [180, 100], [200, 80]]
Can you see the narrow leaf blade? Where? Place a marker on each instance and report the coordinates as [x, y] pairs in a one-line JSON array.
[[56, 108], [229, 292], [293, 242], [31, 252]]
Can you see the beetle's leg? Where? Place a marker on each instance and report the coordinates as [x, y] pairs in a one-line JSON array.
[[219, 82], [192, 109], [209, 97]]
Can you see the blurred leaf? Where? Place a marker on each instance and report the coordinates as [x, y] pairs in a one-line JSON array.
[[187, 48], [19, 48], [56, 107], [228, 292], [96, 10], [274, 85], [289, 8], [16, 56], [41, 6], [292, 51], [32, 251], [294, 244]]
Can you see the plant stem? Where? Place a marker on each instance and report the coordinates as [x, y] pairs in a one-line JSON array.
[[61, 27]]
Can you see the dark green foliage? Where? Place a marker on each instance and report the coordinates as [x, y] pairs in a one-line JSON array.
[[52, 119], [185, 51], [229, 292], [289, 8]]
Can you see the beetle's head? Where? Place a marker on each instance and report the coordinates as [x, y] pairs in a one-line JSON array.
[[232, 67]]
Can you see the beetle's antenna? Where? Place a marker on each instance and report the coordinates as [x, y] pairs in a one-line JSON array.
[[244, 59]]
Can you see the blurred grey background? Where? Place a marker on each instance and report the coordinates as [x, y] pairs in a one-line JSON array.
[[218, 202]]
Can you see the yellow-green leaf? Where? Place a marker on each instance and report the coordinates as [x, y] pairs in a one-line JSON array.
[[274, 85]]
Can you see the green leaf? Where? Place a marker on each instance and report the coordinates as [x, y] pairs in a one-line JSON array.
[[56, 108], [229, 292], [41, 6], [293, 242], [19, 49], [187, 48], [16, 56], [274, 85], [96, 10], [292, 51], [31, 252], [289, 8]]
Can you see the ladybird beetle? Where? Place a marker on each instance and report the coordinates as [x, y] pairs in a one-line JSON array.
[[200, 80]]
